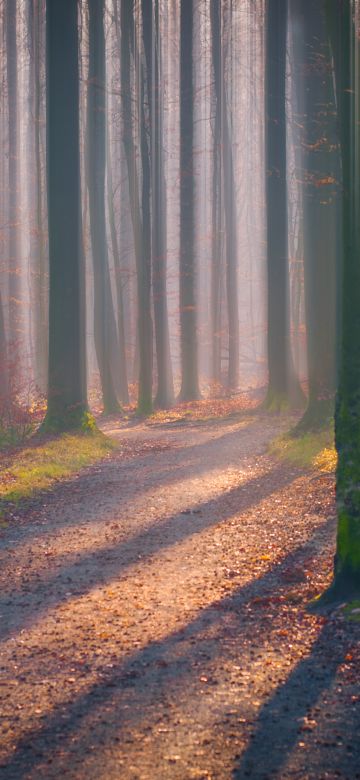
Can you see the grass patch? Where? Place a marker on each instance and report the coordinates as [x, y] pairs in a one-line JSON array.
[[47, 461], [312, 450]]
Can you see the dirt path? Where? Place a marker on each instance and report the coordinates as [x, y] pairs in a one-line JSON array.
[[153, 622]]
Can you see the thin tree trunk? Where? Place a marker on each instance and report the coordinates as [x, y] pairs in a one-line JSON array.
[[144, 289], [283, 387], [38, 258], [231, 242], [13, 212], [106, 344], [123, 382], [141, 252], [165, 390], [188, 302], [216, 270]]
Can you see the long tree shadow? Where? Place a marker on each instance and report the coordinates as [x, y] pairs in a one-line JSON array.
[[282, 722], [196, 459], [102, 566], [134, 688]]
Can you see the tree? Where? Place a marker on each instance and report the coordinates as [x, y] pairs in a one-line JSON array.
[[283, 388], [140, 217], [38, 254], [106, 342], [216, 248], [66, 383], [122, 378], [13, 209], [229, 198], [346, 50], [188, 314], [151, 35], [320, 175]]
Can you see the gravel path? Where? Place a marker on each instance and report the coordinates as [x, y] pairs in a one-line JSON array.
[[153, 621]]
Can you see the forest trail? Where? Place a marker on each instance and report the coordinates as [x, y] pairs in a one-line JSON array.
[[153, 621]]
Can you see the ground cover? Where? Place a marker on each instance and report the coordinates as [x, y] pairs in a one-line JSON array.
[[154, 618]]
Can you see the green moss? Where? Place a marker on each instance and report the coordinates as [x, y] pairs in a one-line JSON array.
[[60, 420], [312, 450], [88, 423], [38, 467], [317, 417], [276, 402]]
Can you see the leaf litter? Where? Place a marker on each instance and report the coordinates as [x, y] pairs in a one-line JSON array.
[[154, 620]]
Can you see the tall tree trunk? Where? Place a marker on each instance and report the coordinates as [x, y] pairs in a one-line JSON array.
[[122, 379], [216, 249], [346, 51], [142, 252], [15, 312], [106, 343], [188, 301], [165, 390], [230, 229], [283, 388], [321, 173], [67, 381], [38, 256], [144, 288]]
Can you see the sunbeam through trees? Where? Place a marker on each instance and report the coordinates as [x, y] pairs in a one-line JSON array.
[[179, 389]]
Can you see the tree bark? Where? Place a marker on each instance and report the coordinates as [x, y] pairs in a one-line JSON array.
[[122, 378], [67, 382], [165, 390], [346, 51], [142, 250], [106, 343], [216, 249], [15, 313], [283, 386], [231, 238], [38, 254], [321, 173], [188, 303]]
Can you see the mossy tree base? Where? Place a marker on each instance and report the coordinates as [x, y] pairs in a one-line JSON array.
[[62, 421], [318, 416], [276, 402], [282, 401], [338, 594], [144, 408], [345, 587]]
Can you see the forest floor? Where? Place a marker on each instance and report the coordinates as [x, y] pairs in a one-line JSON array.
[[154, 622]]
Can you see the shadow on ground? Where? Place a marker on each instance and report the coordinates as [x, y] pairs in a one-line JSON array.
[[129, 696], [100, 567]]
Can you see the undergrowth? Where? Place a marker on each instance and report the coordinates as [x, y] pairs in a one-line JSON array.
[[37, 467], [311, 450]]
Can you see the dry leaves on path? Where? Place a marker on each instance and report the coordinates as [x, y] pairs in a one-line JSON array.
[[154, 621]]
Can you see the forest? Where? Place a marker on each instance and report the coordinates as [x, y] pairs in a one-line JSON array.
[[179, 389]]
